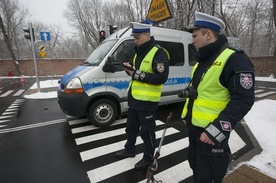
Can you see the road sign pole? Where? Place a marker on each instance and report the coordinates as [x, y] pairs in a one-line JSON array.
[[32, 42]]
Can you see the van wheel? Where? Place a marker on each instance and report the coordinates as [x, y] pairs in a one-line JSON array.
[[102, 113]]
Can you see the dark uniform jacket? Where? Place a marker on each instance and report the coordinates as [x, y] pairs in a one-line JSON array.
[[156, 78], [233, 77]]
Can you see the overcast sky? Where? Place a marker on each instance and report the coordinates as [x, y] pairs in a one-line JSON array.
[[47, 11]]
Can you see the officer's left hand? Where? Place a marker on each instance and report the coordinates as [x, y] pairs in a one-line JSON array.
[[130, 71], [205, 139]]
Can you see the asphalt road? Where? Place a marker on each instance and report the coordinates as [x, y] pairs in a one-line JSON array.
[[41, 144]]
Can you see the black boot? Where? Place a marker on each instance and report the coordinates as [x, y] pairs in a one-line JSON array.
[[124, 154], [142, 164]]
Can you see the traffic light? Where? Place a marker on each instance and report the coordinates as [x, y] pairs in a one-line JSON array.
[[102, 35], [112, 29], [29, 33]]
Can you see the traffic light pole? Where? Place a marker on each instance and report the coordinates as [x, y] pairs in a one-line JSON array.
[[35, 65]]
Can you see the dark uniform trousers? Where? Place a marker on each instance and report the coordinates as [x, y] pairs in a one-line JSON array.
[[145, 119], [212, 162]]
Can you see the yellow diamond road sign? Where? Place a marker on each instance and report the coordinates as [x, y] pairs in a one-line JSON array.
[[159, 11], [42, 54]]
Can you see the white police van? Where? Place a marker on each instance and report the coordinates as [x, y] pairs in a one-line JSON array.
[[98, 87]]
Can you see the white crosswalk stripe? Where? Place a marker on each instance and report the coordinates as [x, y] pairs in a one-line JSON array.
[[18, 93], [4, 121], [10, 92], [265, 94], [260, 93], [11, 112], [100, 151], [115, 168], [177, 172], [6, 93]]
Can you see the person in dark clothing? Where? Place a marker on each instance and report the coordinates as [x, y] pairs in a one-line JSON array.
[[223, 80], [148, 72]]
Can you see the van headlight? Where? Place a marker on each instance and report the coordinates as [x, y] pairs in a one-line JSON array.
[[73, 86]]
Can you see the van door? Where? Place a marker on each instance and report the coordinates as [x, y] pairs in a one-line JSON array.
[[179, 74], [118, 81], [113, 101]]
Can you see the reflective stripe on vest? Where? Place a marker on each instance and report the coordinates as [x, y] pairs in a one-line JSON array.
[[145, 91], [212, 96]]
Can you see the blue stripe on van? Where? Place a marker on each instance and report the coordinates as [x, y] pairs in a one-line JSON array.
[[123, 85], [177, 81], [72, 73]]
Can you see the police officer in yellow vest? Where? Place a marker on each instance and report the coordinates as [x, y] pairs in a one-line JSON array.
[[220, 94], [148, 72]]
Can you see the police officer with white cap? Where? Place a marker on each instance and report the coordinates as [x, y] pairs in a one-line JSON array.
[[148, 71], [223, 80]]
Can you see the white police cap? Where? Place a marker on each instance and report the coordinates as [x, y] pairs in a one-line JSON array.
[[203, 20], [138, 28]]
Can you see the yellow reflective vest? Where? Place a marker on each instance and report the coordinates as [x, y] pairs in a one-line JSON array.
[[144, 91], [212, 96]]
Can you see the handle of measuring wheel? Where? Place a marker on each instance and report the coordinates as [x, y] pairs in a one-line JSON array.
[[168, 119], [163, 135], [166, 125]]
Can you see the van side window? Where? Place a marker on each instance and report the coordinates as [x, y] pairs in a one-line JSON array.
[[192, 54], [124, 53], [176, 51]]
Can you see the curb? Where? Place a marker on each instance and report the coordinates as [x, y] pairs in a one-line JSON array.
[[31, 91]]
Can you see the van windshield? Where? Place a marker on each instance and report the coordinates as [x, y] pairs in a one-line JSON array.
[[99, 53]]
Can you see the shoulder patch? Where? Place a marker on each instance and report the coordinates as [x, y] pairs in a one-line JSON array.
[[246, 80], [226, 126], [160, 67]]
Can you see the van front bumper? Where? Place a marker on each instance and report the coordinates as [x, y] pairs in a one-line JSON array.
[[73, 104]]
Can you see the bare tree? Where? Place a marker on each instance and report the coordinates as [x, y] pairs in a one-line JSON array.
[[274, 54], [182, 13], [274, 18], [10, 20], [87, 17], [8, 42], [253, 21]]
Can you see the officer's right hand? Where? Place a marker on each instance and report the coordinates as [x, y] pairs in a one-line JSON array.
[[205, 139]]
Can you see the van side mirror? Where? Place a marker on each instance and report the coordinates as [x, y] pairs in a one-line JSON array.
[[108, 66], [111, 65]]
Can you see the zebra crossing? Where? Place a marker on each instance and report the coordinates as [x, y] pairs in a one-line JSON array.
[[105, 166], [11, 92], [261, 92], [10, 113]]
